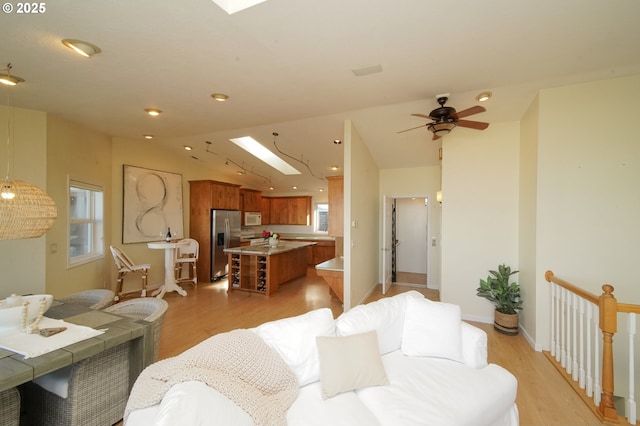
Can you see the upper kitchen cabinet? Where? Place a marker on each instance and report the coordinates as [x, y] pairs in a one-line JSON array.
[[336, 206], [290, 210], [211, 194], [250, 200], [266, 210]]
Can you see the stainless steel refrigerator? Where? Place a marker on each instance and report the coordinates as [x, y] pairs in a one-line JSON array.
[[225, 233]]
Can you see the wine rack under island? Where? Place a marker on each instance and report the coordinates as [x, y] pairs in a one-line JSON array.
[[261, 268]]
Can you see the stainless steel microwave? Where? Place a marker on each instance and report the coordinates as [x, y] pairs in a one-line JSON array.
[[252, 218]]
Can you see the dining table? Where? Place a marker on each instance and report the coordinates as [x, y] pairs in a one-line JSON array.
[[170, 283]]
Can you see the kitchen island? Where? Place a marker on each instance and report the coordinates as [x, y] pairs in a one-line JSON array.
[[333, 273], [261, 268]]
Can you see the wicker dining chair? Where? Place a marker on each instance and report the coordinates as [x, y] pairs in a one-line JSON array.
[[10, 407], [94, 299], [96, 394], [150, 309]]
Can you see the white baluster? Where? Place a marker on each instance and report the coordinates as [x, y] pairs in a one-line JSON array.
[[631, 402], [589, 349], [569, 336], [574, 368], [597, 337], [558, 323], [552, 305], [581, 371], [563, 352]]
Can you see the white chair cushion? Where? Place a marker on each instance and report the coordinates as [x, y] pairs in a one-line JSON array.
[[432, 329], [295, 340], [56, 382], [385, 316]]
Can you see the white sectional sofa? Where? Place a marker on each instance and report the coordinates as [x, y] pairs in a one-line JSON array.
[[403, 360]]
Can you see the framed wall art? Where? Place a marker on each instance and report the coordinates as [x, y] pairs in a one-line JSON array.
[[152, 203]]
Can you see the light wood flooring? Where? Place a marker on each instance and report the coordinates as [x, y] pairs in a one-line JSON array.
[[544, 398]]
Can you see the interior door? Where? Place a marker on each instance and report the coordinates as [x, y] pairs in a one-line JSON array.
[[387, 244]]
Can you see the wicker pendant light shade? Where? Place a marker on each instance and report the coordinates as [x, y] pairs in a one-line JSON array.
[[29, 214]]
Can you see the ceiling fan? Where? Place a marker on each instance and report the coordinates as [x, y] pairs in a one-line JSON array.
[[446, 118]]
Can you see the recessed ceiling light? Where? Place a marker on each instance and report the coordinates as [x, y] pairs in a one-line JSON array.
[[484, 96], [337, 141], [334, 168], [153, 112], [271, 188], [259, 151], [321, 190], [220, 97], [82, 48], [294, 187], [233, 6], [187, 148], [148, 136]]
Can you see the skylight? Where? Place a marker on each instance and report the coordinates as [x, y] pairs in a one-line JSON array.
[[258, 150], [233, 6]]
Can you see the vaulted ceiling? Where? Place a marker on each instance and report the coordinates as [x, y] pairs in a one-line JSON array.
[[288, 67]]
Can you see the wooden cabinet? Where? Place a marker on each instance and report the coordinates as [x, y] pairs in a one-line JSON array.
[[320, 252], [336, 206], [249, 273], [266, 211], [205, 195], [290, 210], [251, 200]]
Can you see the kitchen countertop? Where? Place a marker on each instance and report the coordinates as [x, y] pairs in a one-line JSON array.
[[335, 264], [265, 250], [304, 237]]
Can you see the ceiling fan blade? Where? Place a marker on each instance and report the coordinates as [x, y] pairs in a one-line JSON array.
[[478, 125], [435, 137], [413, 128], [470, 111], [423, 116]]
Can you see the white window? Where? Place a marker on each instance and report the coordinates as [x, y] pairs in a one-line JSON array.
[[321, 219], [86, 223]]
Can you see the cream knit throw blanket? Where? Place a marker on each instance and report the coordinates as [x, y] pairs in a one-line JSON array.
[[238, 364]]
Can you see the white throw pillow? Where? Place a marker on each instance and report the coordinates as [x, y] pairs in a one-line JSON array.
[[432, 329], [350, 363], [295, 341], [386, 316]]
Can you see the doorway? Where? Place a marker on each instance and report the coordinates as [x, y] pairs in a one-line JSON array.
[[406, 248]]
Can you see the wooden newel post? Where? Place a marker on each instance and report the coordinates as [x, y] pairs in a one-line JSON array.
[[609, 326]]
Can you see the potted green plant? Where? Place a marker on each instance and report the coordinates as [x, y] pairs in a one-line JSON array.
[[506, 297]]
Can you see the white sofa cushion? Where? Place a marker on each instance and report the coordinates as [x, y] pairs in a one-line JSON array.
[[474, 346], [432, 329], [440, 392], [350, 362], [385, 316], [295, 341]]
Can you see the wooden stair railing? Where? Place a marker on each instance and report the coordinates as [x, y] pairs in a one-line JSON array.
[[569, 296]]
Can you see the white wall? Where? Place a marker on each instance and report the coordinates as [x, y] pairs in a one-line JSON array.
[[361, 217], [528, 218], [411, 233], [23, 262], [479, 212], [411, 182], [588, 197]]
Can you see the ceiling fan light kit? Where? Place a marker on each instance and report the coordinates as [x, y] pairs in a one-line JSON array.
[[446, 118]]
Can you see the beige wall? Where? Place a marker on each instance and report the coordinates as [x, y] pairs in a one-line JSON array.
[[411, 182], [479, 212], [83, 155], [362, 205], [588, 199], [527, 219], [23, 262]]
